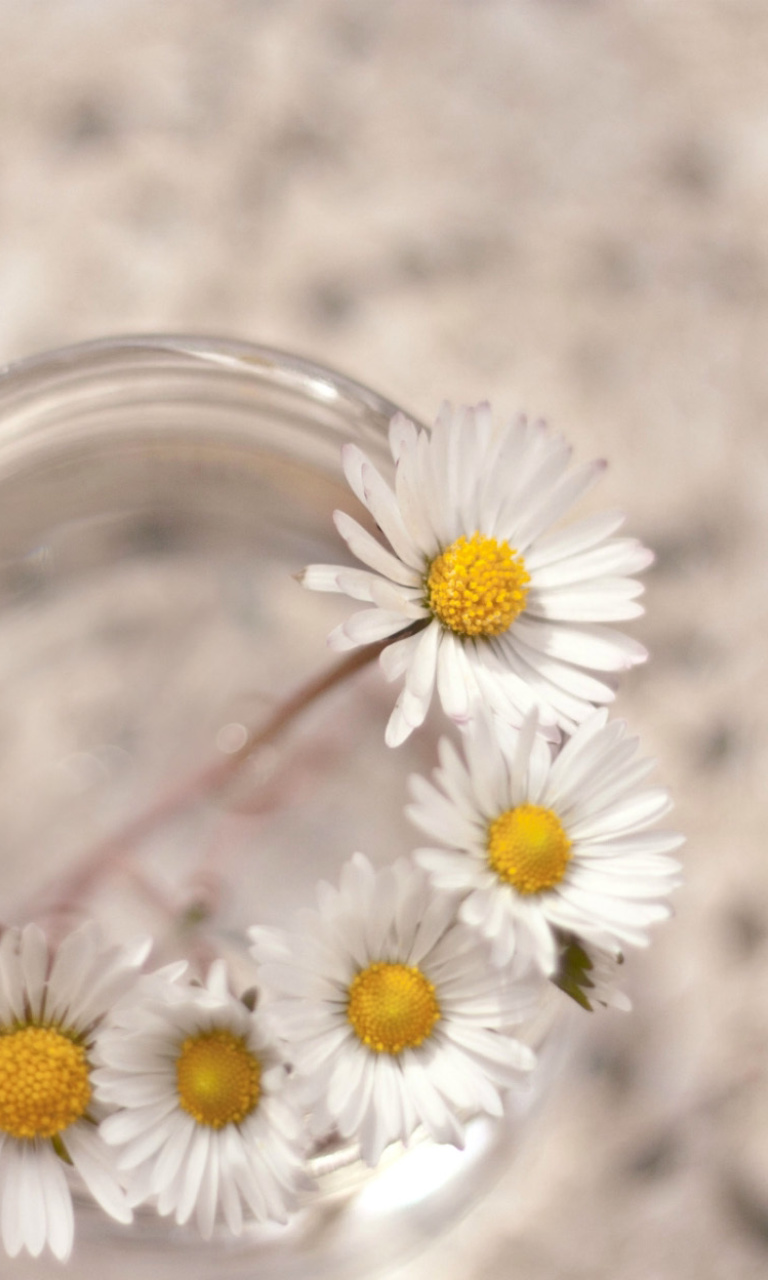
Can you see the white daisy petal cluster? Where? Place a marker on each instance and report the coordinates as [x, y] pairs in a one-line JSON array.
[[492, 602], [540, 840], [409, 1000], [52, 1008], [394, 1016], [205, 1121]]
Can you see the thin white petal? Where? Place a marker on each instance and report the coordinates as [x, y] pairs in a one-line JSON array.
[[453, 687], [58, 1208], [579, 536], [395, 659], [631, 815], [587, 605], [208, 1197], [368, 626], [592, 646], [93, 1162], [371, 552], [34, 966], [621, 557], [376, 495], [32, 1202]]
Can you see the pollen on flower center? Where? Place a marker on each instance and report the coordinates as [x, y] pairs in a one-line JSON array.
[[477, 586], [528, 848], [44, 1085], [218, 1079], [392, 1007]]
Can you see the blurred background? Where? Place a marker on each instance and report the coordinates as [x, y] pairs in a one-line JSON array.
[[562, 206]]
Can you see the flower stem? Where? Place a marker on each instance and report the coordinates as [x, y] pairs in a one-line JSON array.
[[205, 782]]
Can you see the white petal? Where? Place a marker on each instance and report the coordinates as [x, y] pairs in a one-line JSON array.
[[71, 966], [402, 436], [34, 966], [125, 1125], [402, 722], [356, 583], [371, 552], [193, 1173], [577, 537], [346, 1081], [420, 677], [172, 1155], [596, 647], [350, 1117], [642, 842], [93, 1162], [395, 659], [568, 678], [589, 604], [367, 627], [11, 981], [631, 815], [437, 915], [432, 1110], [32, 1202], [571, 486], [379, 1125], [229, 1195], [621, 557], [58, 1207], [453, 686], [205, 1214], [377, 496], [415, 496], [11, 1220], [490, 1047]]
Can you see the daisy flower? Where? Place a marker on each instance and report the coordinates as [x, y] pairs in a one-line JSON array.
[[51, 1011], [540, 841], [486, 596], [206, 1120], [393, 1013]]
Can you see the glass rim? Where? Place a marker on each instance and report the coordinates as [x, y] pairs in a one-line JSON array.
[[273, 364]]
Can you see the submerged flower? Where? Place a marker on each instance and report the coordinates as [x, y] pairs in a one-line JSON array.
[[51, 1011], [589, 973], [540, 841], [394, 1015], [490, 601], [206, 1119]]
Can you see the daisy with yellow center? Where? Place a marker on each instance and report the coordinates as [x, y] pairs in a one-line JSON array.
[[528, 848], [206, 1125], [392, 1007], [44, 1085], [52, 1010], [217, 1078], [394, 1016], [543, 842], [479, 597], [477, 586]]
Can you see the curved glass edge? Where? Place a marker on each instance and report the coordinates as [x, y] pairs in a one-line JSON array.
[[269, 364]]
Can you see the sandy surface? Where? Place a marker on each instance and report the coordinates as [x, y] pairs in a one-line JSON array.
[[560, 205]]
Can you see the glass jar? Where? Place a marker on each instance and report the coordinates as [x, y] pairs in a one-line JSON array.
[[158, 497]]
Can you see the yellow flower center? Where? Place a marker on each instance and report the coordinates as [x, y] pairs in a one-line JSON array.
[[477, 586], [218, 1079], [392, 1007], [44, 1086], [528, 848]]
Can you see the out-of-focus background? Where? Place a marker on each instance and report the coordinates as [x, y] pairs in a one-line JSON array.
[[562, 206]]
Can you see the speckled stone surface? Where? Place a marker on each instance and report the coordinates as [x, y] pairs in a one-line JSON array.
[[560, 205]]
